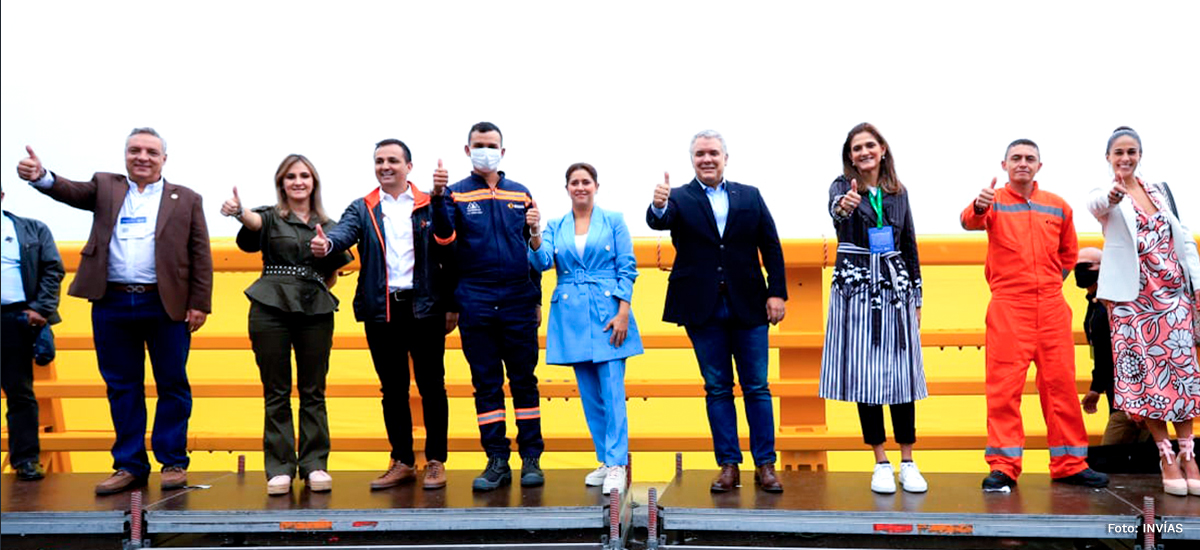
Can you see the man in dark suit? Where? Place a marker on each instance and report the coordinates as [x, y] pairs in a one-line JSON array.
[[147, 269], [717, 292], [31, 276]]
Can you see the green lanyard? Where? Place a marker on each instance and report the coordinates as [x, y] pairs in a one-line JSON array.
[[876, 198]]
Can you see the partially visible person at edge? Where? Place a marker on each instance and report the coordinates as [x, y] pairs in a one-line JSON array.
[[717, 292], [147, 269], [1031, 249], [498, 297], [591, 326], [291, 308], [872, 352], [32, 272], [1148, 279], [1120, 429], [401, 301]]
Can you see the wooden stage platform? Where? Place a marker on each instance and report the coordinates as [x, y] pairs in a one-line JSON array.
[[817, 509]]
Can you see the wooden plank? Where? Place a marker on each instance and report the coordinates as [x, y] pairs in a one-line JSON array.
[[653, 340], [649, 442], [634, 389]]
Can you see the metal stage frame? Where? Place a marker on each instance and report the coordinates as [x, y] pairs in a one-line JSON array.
[[220, 509], [231, 509], [842, 504]]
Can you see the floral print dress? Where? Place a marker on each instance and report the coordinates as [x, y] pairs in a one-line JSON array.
[[1153, 351]]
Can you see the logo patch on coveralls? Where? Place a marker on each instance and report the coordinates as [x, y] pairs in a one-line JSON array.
[[473, 209]]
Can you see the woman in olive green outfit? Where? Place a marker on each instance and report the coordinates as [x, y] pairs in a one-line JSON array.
[[291, 308]]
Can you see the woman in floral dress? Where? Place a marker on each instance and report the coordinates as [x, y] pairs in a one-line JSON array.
[[1148, 278]]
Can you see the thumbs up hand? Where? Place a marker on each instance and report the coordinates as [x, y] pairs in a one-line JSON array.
[[1117, 192], [30, 168], [320, 244], [662, 192], [532, 217], [440, 179], [232, 206], [851, 199], [986, 197]]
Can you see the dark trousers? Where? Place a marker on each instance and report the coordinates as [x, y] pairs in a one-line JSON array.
[[124, 327], [904, 423], [718, 344], [17, 369], [391, 345], [273, 335], [504, 337]]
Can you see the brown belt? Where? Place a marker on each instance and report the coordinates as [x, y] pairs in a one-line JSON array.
[[132, 288]]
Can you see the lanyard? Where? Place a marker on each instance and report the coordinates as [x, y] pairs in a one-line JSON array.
[[876, 199]]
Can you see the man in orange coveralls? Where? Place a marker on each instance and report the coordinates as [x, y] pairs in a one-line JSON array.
[[1031, 249]]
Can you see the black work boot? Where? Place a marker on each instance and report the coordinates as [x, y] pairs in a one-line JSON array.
[[496, 474], [531, 472]]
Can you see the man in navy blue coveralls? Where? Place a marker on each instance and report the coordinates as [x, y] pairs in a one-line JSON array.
[[497, 298]]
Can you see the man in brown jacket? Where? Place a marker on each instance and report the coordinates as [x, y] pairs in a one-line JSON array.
[[147, 269]]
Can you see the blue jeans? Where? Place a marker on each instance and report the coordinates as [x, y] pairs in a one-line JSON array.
[[124, 326], [718, 343], [602, 391]]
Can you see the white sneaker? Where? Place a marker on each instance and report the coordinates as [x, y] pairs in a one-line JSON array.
[[884, 479], [596, 477], [911, 479], [319, 481], [279, 485], [614, 480]]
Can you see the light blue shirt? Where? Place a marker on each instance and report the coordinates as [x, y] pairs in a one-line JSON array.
[[718, 199], [13, 289]]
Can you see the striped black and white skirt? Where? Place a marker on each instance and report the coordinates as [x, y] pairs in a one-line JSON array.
[[872, 348]]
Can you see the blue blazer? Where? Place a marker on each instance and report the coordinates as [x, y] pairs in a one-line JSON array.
[[588, 289]]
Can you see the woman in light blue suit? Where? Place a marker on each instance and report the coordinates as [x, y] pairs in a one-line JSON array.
[[591, 326]]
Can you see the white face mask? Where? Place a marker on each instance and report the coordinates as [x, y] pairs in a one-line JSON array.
[[485, 159]]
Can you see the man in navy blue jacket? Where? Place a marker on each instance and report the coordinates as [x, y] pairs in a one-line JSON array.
[[717, 292], [32, 275], [399, 300], [498, 298]]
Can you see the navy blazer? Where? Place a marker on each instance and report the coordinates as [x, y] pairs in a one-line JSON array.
[[704, 258]]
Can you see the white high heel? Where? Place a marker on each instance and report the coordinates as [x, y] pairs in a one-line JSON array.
[[1177, 487], [1187, 452]]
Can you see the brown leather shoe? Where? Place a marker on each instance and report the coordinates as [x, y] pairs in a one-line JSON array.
[[397, 473], [729, 478], [435, 475], [119, 481], [174, 477], [764, 476]]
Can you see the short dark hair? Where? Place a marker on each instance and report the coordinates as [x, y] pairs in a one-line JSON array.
[[1123, 131], [394, 141], [591, 170], [1023, 141], [147, 131], [483, 128]]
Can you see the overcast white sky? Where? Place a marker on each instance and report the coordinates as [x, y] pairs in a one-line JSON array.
[[235, 86]]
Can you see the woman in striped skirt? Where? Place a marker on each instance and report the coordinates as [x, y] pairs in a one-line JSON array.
[[872, 350]]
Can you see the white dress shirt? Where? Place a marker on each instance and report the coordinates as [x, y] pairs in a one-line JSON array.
[[398, 237], [10, 264], [131, 249]]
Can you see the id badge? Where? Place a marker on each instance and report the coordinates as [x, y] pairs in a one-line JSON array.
[[130, 227], [881, 239]]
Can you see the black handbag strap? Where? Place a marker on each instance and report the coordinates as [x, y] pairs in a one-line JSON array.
[[1170, 199]]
